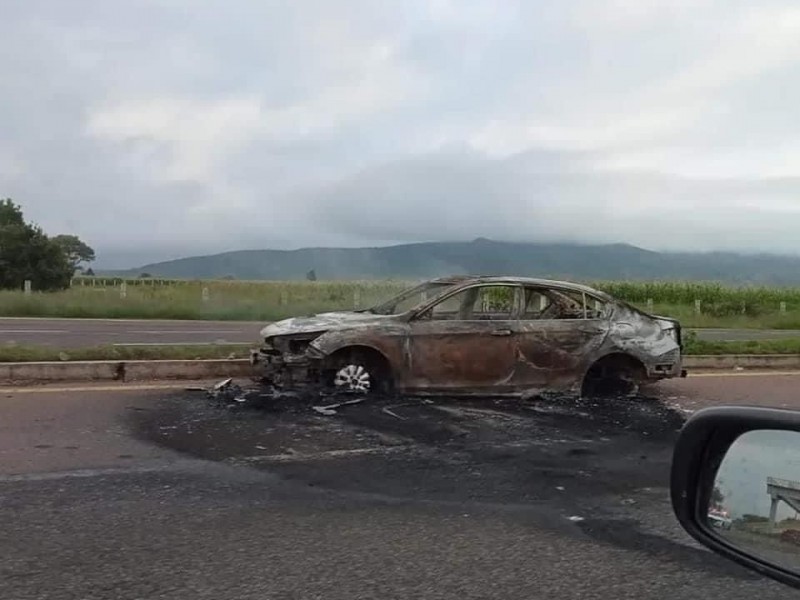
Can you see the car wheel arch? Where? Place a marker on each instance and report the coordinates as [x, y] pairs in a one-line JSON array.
[[615, 365], [360, 351]]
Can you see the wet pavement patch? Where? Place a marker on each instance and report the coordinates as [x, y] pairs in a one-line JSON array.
[[571, 452]]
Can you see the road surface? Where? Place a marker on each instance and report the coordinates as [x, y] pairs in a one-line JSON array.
[[156, 493], [75, 333]]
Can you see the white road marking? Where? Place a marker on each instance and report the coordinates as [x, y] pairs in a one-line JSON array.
[[146, 321], [101, 472], [194, 343], [4, 331], [96, 388], [325, 455], [185, 332], [743, 374]]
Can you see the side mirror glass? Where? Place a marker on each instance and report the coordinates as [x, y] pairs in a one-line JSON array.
[[753, 503], [735, 486]]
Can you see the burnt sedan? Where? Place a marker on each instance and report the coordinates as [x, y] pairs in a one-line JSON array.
[[476, 335]]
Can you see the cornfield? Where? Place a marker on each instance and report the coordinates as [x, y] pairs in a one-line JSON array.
[[696, 303]]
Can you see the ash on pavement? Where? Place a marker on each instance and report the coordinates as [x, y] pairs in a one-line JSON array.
[[578, 455]]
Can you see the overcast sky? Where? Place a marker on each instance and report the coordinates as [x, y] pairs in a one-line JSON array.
[[163, 128]]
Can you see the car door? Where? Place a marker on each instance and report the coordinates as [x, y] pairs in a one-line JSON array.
[[467, 341], [559, 331]]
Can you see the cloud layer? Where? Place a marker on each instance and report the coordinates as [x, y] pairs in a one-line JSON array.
[[165, 128]]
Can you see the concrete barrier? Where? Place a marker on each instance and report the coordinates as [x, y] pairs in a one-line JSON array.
[[130, 370], [744, 361], [155, 370]]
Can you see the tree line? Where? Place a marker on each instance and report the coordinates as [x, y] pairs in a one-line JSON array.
[[27, 253]]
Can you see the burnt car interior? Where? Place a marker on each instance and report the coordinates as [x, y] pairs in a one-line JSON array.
[[499, 303]]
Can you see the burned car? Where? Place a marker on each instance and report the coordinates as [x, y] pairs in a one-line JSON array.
[[475, 335]]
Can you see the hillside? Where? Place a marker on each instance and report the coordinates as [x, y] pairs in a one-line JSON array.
[[413, 261]]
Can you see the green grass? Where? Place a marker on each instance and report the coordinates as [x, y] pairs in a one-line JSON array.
[[721, 306], [28, 353], [693, 346], [235, 300]]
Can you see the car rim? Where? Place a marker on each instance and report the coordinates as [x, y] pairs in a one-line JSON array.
[[354, 378]]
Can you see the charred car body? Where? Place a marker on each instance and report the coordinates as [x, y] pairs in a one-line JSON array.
[[475, 335]]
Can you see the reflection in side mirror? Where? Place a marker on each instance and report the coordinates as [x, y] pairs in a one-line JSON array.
[[735, 486], [754, 503]]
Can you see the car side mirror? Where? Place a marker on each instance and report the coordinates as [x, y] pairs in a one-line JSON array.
[[735, 486]]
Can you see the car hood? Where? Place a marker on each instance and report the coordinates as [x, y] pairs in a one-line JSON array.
[[320, 322]]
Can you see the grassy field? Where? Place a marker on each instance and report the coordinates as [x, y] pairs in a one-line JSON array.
[[719, 306]]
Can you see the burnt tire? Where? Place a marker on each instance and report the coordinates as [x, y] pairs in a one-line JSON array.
[[613, 376]]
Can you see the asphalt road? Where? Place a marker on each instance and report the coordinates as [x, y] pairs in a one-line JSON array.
[[75, 333], [158, 493]]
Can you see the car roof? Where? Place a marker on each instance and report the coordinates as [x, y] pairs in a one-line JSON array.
[[528, 281]]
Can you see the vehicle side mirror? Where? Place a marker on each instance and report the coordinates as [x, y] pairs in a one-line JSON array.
[[735, 486]]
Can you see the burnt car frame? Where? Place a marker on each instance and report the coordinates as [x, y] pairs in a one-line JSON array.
[[476, 335]]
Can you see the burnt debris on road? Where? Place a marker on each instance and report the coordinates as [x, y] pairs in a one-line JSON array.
[[403, 446]]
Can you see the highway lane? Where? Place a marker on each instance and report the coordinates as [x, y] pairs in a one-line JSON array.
[[77, 333], [74, 333], [149, 493]]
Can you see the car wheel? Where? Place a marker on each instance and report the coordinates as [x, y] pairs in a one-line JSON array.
[[353, 378], [359, 372]]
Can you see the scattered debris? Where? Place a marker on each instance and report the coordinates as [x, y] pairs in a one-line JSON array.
[[223, 384], [628, 501], [576, 519], [391, 413], [330, 409], [560, 488], [227, 391]]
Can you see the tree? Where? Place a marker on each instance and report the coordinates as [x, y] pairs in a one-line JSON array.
[[89, 272], [717, 497], [145, 276], [77, 251], [27, 253], [311, 275]]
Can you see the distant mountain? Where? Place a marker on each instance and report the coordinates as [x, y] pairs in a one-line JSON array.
[[482, 256]]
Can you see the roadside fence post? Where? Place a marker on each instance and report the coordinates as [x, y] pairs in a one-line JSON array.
[[205, 294], [123, 290], [698, 306], [649, 305], [356, 298], [783, 308], [28, 287]]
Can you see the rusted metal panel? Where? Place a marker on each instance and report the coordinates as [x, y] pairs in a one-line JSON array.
[[448, 354]]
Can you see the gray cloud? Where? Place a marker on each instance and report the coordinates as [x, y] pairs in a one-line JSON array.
[[167, 128]]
